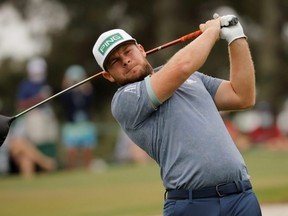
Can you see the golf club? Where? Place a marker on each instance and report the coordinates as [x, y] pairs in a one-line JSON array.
[[6, 121], [179, 40], [188, 37]]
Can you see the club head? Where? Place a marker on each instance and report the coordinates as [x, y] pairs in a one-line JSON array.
[[5, 123]]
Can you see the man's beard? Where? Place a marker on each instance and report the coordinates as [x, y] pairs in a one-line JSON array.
[[144, 71]]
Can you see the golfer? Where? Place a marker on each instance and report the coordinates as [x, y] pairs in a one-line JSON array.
[[173, 114]]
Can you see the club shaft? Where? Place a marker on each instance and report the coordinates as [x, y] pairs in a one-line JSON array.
[[187, 37], [59, 93], [179, 40]]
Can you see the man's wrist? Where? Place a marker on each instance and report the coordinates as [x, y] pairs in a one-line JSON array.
[[215, 32], [243, 38]]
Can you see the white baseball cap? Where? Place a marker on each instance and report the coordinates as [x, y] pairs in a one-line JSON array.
[[108, 42]]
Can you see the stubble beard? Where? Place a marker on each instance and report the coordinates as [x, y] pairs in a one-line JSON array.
[[144, 71]]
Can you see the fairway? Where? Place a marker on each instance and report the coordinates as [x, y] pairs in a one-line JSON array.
[[130, 190]]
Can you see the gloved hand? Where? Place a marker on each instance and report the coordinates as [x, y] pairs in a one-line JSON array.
[[230, 32]]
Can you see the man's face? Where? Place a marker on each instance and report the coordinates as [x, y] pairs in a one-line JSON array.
[[128, 64]]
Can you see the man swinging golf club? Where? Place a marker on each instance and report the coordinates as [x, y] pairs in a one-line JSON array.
[[173, 114]]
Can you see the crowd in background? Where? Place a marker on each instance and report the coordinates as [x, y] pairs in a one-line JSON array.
[[259, 127], [33, 142]]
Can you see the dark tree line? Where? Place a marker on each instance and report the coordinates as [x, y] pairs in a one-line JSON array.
[[153, 23]]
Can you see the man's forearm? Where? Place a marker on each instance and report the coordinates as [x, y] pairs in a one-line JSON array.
[[242, 72], [185, 62]]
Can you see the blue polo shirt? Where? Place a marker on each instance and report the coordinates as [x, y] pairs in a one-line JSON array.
[[185, 135]]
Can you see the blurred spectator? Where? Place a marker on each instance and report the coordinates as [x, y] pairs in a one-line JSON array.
[[27, 157], [126, 151], [246, 121], [282, 123], [267, 132], [79, 133], [241, 140], [38, 128], [282, 119], [4, 159], [4, 153]]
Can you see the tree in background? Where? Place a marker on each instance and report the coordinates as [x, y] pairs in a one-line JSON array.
[[152, 23]]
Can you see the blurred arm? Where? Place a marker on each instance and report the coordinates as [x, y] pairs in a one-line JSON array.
[[185, 62], [239, 91]]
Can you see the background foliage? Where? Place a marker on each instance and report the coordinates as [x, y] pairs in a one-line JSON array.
[[152, 23]]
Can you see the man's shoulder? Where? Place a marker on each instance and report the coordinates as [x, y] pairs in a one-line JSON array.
[[125, 92], [131, 88]]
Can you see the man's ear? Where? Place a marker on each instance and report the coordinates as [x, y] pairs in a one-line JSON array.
[[107, 76], [142, 50]]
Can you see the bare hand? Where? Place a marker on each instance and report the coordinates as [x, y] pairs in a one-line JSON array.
[[211, 24]]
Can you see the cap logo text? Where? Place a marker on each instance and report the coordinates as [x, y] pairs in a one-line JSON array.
[[108, 42]]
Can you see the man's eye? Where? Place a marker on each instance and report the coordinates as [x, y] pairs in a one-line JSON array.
[[113, 61], [127, 51]]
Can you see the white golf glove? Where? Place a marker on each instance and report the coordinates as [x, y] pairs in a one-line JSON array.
[[230, 32]]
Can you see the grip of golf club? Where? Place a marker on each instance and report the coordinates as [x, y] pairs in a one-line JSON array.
[[195, 34], [232, 22], [191, 36]]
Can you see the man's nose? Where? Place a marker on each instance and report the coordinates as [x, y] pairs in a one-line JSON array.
[[126, 61]]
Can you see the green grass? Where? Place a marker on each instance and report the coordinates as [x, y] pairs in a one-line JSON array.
[[127, 190], [131, 190], [269, 174]]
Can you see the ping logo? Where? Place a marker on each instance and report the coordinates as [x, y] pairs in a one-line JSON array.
[[109, 41]]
